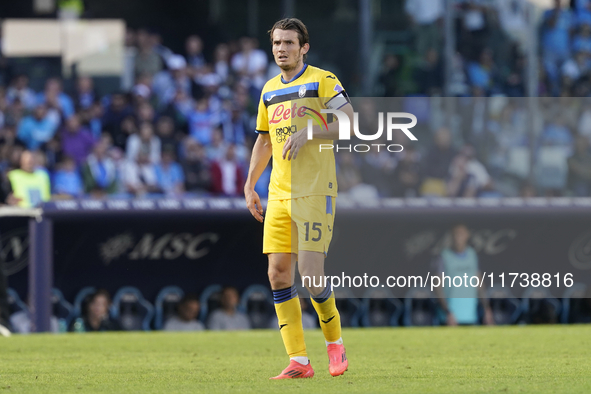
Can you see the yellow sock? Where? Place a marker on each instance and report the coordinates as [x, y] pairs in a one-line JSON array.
[[328, 315], [289, 316]]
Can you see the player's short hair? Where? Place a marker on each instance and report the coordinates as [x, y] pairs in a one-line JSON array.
[[292, 24]]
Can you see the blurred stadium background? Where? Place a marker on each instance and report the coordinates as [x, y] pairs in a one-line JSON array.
[[150, 106]]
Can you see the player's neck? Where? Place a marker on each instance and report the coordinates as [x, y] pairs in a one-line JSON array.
[[289, 74]]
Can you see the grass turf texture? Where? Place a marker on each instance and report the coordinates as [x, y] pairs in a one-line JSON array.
[[536, 359]]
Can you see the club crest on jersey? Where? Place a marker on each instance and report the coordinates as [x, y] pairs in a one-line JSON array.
[[302, 91]]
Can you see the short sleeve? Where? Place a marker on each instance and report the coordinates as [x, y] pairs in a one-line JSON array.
[[331, 90], [262, 118]]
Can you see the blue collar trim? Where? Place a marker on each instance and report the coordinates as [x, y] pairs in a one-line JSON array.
[[296, 76]]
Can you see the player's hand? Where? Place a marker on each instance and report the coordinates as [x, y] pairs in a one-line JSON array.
[[294, 143], [451, 320], [12, 200], [488, 318], [253, 202]]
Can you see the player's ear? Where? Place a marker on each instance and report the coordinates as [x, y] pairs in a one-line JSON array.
[[305, 48]]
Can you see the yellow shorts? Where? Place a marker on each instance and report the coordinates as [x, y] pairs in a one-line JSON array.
[[304, 223]]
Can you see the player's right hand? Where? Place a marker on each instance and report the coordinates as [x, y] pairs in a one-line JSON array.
[[253, 203]]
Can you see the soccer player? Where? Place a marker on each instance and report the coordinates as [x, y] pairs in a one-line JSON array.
[[301, 205]]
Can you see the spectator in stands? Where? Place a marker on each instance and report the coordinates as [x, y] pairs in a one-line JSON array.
[[144, 142], [91, 118], [196, 167], [165, 131], [169, 175], [147, 61], [467, 176], [390, 75], [217, 148], [84, 95], [513, 20], [194, 52], [406, 175], [579, 169], [475, 28], [460, 304], [228, 317], [556, 29], [436, 164], [99, 172], [186, 317], [117, 111], [20, 90], [30, 186], [237, 125], [139, 176], [22, 324], [67, 180], [202, 121], [429, 75], [145, 113], [166, 83], [228, 175], [348, 174], [425, 16], [557, 133], [222, 62], [96, 316], [481, 73], [377, 169], [55, 98], [38, 128], [77, 142], [250, 63]]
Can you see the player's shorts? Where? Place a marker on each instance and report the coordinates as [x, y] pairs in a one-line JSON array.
[[304, 223]]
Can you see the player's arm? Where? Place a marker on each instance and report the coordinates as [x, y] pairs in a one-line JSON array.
[[261, 154], [332, 133], [340, 101]]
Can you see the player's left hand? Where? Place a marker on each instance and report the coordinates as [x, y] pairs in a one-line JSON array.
[[294, 143]]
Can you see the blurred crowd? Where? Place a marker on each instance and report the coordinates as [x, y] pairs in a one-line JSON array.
[[497, 143], [183, 124]]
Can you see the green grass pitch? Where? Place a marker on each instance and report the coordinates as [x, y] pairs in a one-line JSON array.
[[519, 359]]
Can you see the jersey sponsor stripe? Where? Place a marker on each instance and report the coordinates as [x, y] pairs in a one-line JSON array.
[[291, 89], [291, 96]]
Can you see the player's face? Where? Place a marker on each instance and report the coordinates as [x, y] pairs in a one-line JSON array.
[[287, 50], [461, 235]]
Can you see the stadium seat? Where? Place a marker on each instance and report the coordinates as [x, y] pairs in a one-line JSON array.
[[62, 309], [210, 300], [420, 308], [350, 308], [381, 309], [540, 306], [165, 305], [15, 303], [576, 307], [505, 307], [80, 302], [257, 303], [132, 310]]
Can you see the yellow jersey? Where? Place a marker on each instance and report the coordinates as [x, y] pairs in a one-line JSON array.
[[284, 109]]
